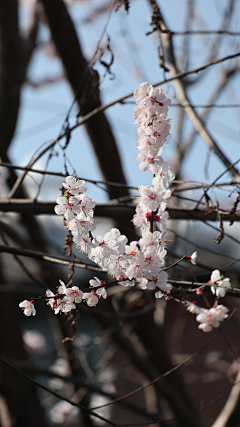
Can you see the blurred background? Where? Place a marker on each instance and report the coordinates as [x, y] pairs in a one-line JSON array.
[[61, 60]]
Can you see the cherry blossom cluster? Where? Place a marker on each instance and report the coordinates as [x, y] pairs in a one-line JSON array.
[[153, 129], [211, 318], [65, 299], [139, 262]]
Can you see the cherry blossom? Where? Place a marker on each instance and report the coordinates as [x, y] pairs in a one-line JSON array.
[[164, 175], [220, 284], [142, 217], [142, 93], [160, 218], [59, 304], [147, 144], [126, 282], [96, 282], [81, 225], [211, 318], [151, 197], [28, 307], [91, 298], [73, 185], [193, 258], [159, 281], [101, 292], [147, 160], [150, 240], [73, 294], [64, 208], [115, 240]]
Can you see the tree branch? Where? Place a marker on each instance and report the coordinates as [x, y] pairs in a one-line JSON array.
[[114, 210]]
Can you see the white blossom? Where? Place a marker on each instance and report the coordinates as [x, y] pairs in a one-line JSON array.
[[81, 225], [147, 160], [142, 93], [220, 284], [73, 185], [73, 294], [59, 304], [101, 292], [28, 307], [211, 318], [164, 175], [193, 258], [91, 298]]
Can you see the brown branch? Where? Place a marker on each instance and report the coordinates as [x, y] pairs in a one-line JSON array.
[[46, 257], [114, 210]]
